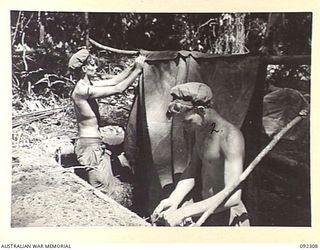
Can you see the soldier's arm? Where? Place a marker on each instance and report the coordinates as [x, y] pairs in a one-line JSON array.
[[115, 80], [184, 186], [97, 92], [233, 149], [122, 76]]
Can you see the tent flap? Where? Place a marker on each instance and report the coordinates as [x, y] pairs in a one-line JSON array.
[[232, 80]]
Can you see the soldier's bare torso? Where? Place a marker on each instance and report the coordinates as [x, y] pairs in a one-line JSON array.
[[86, 110], [210, 148]]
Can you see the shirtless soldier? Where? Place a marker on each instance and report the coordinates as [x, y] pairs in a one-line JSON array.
[[216, 161], [88, 148]]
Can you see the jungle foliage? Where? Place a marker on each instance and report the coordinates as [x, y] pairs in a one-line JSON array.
[[42, 43]]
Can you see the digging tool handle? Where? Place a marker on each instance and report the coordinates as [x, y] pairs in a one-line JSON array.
[[227, 191]]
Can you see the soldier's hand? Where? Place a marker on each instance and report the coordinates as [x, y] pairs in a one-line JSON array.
[[163, 205], [173, 217], [140, 61]]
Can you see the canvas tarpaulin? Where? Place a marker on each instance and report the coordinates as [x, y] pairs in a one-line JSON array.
[[279, 108], [158, 146]]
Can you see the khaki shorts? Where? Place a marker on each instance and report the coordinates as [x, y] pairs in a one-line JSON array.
[[90, 153]]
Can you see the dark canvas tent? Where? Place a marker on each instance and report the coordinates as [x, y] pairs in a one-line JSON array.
[[157, 145]]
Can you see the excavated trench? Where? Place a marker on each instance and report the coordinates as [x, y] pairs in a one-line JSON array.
[[45, 194]]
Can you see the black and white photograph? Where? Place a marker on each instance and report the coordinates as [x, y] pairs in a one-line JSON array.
[[198, 120], [160, 119]]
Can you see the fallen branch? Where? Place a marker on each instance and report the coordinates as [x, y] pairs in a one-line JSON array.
[[38, 112], [127, 52], [17, 124], [225, 193], [39, 117]]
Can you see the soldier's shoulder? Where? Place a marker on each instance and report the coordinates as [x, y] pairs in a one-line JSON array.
[[233, 135], [81, 90]]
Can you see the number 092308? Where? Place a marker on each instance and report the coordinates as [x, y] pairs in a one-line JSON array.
[[308, 246]]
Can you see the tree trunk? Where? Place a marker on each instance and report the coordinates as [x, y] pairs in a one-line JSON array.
[[42, 31], [86, 18], [272, 42], [240, 35]]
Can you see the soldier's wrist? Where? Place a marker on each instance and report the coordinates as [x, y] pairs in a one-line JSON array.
[[184, 213]]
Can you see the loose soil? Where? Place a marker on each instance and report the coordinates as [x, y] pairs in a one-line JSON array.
[[45, 194]]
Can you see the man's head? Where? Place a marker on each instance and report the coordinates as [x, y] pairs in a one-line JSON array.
[[83, 63], [190, 100]]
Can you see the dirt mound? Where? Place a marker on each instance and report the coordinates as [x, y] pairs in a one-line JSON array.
[[45, 194]]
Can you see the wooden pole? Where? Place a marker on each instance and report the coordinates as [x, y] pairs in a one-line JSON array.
[[226, 192], [291, 60], [127, 52]]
